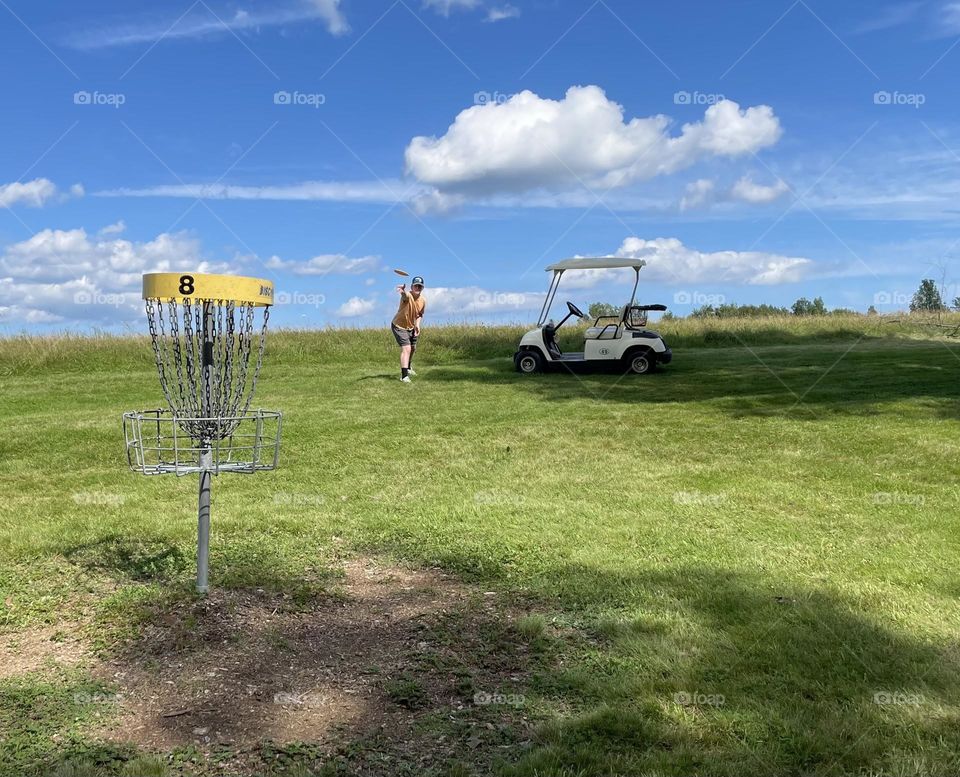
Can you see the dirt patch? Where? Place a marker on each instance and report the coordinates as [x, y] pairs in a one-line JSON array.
[[411, 661], [33, 649]]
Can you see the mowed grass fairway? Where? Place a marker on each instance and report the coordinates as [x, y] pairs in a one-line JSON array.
[[743, 564]]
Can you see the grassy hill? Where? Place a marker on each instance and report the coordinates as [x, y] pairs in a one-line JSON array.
[[452, 343], [743, 564]]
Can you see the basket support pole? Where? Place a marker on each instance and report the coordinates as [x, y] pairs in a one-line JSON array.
[[206, 455], [203, 530]]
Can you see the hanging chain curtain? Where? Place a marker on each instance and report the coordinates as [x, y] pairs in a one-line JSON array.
[[206, 409]]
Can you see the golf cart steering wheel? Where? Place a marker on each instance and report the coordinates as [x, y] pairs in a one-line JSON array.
[[574, 309]]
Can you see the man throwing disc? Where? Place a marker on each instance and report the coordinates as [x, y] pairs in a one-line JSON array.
[[406, 324]]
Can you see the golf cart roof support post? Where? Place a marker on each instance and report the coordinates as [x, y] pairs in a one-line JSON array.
[[551, 294], [546, 299], [636, 282]]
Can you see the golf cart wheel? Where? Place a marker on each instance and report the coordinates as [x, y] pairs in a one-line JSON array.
[[640, 362], [529, 362]]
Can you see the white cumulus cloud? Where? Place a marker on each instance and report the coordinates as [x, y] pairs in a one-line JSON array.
[[472, 300], [69, 275], [703, 193], [697, 194], [529, 142], [748, 191], [356, 306], [670, 261], [35, 193]]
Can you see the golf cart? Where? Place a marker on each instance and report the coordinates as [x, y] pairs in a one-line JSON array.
[[622, 341]]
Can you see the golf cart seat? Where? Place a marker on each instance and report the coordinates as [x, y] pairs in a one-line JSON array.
[[608, 331]]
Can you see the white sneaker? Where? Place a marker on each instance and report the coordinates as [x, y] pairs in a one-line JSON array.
[[406, 379], [411, 372]]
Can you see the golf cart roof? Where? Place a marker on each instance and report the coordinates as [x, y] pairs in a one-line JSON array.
[[595, 263]]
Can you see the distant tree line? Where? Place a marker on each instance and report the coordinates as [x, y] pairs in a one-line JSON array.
[[927, 298], [802, 307]]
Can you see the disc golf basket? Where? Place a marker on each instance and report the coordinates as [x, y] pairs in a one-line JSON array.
[[205, 331]]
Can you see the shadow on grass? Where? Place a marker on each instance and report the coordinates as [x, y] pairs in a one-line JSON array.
[[236, 564], [36, 710], [698, 670], [809, 383], [704, 671], [140, 559]]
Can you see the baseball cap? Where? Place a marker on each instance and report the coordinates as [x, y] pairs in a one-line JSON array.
[[417, 280]]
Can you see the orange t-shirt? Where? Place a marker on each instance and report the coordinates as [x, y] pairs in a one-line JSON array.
[[410, 310]]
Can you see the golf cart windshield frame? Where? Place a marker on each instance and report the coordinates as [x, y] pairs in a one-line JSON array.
[[587, 264]]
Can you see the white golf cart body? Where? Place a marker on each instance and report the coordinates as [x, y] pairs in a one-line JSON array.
[[612, 340]]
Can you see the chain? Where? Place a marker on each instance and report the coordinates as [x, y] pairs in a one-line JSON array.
[[173, 322], [260, 350], [191, 383], [220, 346], [155, 342], [243, 353], [228, 361], [179, 352]]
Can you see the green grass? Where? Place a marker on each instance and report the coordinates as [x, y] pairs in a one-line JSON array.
[[745, 563]]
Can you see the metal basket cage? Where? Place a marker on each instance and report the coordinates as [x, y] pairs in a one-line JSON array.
[[159, 442]]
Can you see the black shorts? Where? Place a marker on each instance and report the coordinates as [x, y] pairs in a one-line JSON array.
[[404, 336]]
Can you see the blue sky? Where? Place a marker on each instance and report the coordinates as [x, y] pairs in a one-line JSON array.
[[750, 151]]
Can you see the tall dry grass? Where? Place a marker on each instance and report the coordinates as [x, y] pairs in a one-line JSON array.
[[25, 354]]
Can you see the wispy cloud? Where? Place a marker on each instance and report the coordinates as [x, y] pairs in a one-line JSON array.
[[498, 14], [202, 21], [949, 20], [326, 264], [329, 191], [890, 16], [444, 7]]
